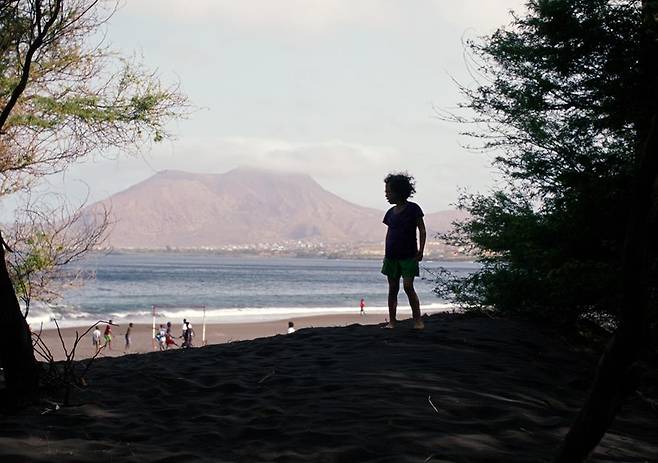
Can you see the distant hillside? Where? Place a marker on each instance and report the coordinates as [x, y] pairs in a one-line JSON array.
[[243, 206]]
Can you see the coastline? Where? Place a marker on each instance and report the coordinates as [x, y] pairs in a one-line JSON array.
[[216, 333], [304, 253], [195, 314]]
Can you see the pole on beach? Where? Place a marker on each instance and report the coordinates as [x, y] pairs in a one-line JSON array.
[[203, 335], [153, 330]]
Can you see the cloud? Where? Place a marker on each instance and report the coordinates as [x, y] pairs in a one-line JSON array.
[[318, 159], [313, 16], [307, 15], [354, 172], [481, 15]]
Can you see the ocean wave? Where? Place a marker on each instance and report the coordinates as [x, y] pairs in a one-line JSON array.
[[74, 317], [44, 315]]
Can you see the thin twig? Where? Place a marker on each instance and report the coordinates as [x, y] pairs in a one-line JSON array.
[[61, 339], [91, 360], [269, 375], [429, 398]]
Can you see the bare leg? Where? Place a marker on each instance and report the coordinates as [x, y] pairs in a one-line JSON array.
[[393, 289], [414, 302]]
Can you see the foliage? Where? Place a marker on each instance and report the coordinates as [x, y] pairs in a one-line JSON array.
[[44, 243], [79, 99], [63, 99], [557, 100]]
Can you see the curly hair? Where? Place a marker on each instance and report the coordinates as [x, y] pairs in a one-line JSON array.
[[402, 183]]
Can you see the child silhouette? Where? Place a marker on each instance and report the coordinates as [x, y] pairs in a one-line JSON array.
[[403, 252]]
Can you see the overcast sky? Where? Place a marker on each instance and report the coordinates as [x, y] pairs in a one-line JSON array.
[[343, 90]]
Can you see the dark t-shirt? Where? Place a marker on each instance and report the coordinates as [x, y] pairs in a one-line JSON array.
[[401, 237]]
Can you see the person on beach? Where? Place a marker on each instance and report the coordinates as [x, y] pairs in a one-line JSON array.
[[184, 327], [96, 339], [161, 337], [188, 334], [403, 251], [362, 305], [127, 336], [291, 327], [169, 338], [107, 335]]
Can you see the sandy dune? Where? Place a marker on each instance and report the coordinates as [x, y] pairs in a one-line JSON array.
[[464, 390]]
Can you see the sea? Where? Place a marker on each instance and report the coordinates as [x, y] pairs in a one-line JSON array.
[[169, 286]]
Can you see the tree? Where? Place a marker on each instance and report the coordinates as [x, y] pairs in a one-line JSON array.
[[567, 96], [45, 241], [16, 354], [62, 100], [555, 107]]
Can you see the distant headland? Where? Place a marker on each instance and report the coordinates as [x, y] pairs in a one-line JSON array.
[[252, 211]]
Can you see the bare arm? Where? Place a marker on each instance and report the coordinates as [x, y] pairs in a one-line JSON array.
[[422, 236]]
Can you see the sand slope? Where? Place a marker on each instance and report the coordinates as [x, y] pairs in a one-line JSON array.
[[464, 390]]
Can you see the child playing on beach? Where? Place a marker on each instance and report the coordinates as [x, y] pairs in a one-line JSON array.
[[403, 252], [127, 336], [184, 327], [107, 336], [362, 305], [161, 337], [291, 327], [188, 335], [96, 339], [169, 338]]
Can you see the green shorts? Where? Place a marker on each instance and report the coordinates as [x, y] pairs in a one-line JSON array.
[[396, 268]]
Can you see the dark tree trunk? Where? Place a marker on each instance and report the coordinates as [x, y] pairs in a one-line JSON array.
[[616, 374], [16, 353]]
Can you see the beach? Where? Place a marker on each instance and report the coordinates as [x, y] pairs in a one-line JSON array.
[[466, 389], [142, 337]]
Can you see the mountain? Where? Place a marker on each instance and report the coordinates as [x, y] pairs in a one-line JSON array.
[[241, 207]]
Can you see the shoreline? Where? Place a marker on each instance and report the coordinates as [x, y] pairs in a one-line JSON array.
[[291, 253], [216, 333], [195, 314]]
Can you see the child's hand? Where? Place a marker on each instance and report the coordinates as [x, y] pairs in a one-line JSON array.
[[419, 256]]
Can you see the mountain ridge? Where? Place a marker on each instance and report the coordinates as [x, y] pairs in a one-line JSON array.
[[244, 206]]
